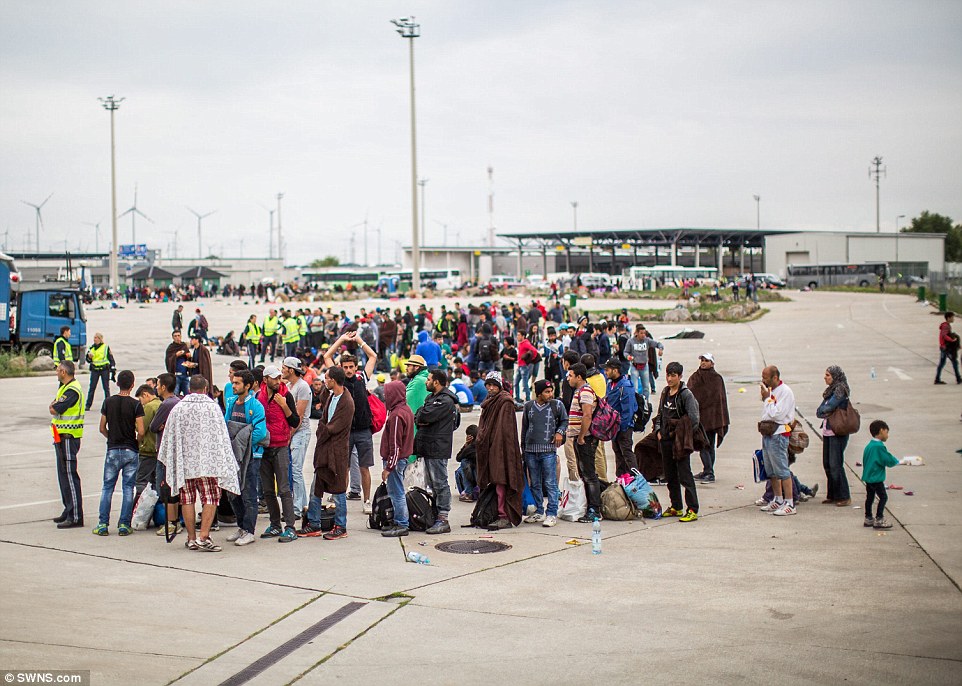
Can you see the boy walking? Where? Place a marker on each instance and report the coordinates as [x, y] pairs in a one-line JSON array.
[[875, 458]]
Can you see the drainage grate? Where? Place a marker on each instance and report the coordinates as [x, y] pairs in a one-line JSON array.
[[472, 547]]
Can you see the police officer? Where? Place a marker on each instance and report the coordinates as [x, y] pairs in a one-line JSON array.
[[61, 346], [252, 334], [67, 425], [271, 324], [102, 367], [291, 334]]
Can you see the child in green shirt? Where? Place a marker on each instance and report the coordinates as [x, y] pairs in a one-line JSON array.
[[875, 458]]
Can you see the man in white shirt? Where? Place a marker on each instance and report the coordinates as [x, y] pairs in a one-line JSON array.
[[291, 372], [778, 407]]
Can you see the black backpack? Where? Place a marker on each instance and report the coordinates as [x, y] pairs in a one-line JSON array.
[[486, 349], [382, 509], [643, 413], [422, 509], [486, 509]]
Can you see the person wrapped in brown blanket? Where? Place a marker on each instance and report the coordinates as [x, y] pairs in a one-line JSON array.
[[499, 451]]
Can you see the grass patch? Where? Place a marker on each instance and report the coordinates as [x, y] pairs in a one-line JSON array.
[[889, 288], [13, 365]]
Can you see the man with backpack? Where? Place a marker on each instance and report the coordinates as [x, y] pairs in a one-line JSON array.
[[583, 404], [487, 350], [620, 395], [397, 444], [677, 413], [244, 408], [436, 421], [543, 426]]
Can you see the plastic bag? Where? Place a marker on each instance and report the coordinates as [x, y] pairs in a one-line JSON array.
[[573, 504], [414, 476], [144, 509], [643, 496]]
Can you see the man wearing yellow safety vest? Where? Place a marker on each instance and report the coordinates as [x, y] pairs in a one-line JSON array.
[[291, 334], [302, 325], [61, 346], [102, 367], [67, 426], [252, 335], [269, 339]]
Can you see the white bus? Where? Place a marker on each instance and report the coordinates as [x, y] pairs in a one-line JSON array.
[[836, 274], [642, 278], [443, 279]]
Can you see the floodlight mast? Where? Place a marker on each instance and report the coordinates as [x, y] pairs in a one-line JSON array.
[[112, 104], [408, 28]]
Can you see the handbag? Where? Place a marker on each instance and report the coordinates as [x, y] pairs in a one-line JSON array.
[[758, 467], [767, 427], [845, 421]]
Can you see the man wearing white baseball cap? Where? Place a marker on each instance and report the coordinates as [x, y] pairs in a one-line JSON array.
[[708, 387]]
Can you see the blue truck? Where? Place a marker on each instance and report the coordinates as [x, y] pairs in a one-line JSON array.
[[32, 314]]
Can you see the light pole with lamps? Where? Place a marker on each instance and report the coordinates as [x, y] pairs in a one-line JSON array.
[[407, 28], [901, 216], [422, 183], [112, 105]]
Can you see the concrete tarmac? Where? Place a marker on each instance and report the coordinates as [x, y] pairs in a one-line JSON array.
[[736, 597]]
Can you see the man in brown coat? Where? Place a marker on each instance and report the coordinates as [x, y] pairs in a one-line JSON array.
[[199, 362], [332, 456], [708, 386], [499, 451]]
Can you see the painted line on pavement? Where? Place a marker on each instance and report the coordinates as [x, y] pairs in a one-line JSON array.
[[42, 502]]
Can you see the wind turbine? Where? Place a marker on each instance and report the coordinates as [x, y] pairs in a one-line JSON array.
[[96, 234], [200, 218], [133, 212], [39, 221]]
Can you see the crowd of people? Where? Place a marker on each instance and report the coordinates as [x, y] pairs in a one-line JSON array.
[[411, 376]]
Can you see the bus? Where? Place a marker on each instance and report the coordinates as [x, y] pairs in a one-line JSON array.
[[642, 278], [836, 274], [439, 279], [328, 279]]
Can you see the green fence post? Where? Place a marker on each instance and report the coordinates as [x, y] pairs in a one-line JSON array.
[[942, 302], [572, 300], [921, 294]]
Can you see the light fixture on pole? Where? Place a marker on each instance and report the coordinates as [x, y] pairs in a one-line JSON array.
[[758, 212], [877, 173], [407, 28], [39, 219], [901, 216], [280, 237], [112, 104], [200, 218], [574, 207]]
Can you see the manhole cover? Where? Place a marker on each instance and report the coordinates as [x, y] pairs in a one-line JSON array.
[[472, 547]]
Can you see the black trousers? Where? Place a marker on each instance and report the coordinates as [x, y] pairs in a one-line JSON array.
[[871, 491], [678, 474], [101, 376], [586, 467], [73, 504], [624, 452]]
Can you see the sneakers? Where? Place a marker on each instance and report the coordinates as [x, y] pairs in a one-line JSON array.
[[804, 497], [124, 530], [191, 544], [215, 525], [336, 533], [531, 509], [288, 535], [708, 479], [784, 510], [869, 522], [689, 516], [761, 502], [549, 521], [366, 507], [465, 498], [535, 518], [771, 507], [441, 526], [589, 517], [814, 491], [234, 535], [670, 512], [207, 546], [174, 528], [699, 475], [271, 532], [500, 524], [309, 531], [882, 523], [353, 496], [246, 538], [395, 532], [100, 530]]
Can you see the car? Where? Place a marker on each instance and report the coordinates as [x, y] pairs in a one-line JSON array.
[[763, 280], [501, 281]]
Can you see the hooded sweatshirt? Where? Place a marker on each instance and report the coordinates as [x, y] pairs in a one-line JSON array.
[[397, 441], [428, 349]]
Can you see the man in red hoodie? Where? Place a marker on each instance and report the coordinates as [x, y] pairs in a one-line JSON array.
[[280, 410], [397, 444]]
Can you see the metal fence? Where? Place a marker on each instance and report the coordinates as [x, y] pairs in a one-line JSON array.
[[950, 285]]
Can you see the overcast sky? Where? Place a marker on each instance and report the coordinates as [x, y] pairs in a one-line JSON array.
[[648, 114]]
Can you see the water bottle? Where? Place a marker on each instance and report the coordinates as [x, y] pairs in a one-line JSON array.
[[872, 374], [418, 558], [596, 537]]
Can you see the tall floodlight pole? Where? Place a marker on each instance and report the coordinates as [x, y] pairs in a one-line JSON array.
[[280, 238], [410, 30], [423, 183], [574, 208], [112, 104], [758, 212], [876, 174], [490, 206]]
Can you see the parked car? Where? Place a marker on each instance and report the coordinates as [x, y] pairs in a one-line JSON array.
[[763, 280]]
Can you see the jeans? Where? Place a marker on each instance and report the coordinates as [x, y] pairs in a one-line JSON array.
[[641, 380], [245, 504], [290, 348], [119, 461], [274, 469], [624, 452], [466, 478], [395, 489], [943, 357], [833, 462], [523, 380], [299, 442], [101, 376], [182, 384], [775, 453], [586, 467], [340, 507], [708, 454], [252, 349], [146, 473], [485, 367], [871, 491], [678, 474], [436, 476], [543, 475]]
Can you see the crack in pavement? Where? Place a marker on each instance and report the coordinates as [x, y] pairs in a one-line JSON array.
[[106, 650]]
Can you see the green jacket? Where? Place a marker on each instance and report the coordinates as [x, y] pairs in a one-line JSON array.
[[148, 444], [875, 458], [417, 391]]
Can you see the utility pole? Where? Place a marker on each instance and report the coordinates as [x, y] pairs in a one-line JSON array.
[[574, 207], [758, 212], [407, 28], [280, 238], [422, 183], [490, 206], [112, 104], [877, 173]]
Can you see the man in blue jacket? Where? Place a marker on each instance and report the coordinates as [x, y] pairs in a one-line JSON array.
[[429, 350], [245, 407], [620, 395]]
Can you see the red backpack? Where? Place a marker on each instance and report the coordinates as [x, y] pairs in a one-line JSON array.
[[378, 413]]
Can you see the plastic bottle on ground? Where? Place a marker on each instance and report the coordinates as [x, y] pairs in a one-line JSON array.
[[416, 557], [596, 537]]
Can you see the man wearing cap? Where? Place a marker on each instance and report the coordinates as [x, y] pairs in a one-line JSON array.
[[499, 451], [291, 372], [280, 410], [378, 392], [417, 373], [708, 387], [620, 395], [543, 426]]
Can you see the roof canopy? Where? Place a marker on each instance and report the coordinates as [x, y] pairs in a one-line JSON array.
[[200, 273], [153, 272], [609, 238]]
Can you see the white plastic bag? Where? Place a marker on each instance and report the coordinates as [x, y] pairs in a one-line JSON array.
[[144, 509], [573, 504], [414, 476]]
